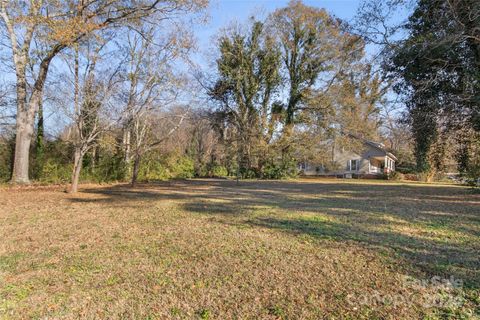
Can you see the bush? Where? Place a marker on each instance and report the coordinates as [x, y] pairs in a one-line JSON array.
[[153, 170], [271, 171], [183, 168], [473, 172], [441, 176], [280, 169], [473, 182], [410, 177], [55, 166], [219, 171], [156, 166], [406, 168], [6, 153], [426, 176], [55, 172], [107, 168], [251, 173], [395, 175]]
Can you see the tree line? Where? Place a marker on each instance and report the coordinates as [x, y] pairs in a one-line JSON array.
[[127, 107]]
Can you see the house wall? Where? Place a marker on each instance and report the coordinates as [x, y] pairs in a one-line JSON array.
[[342, 157], [310, 169], [370, 152]]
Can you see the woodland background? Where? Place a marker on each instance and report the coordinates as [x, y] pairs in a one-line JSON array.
[[130, 104]]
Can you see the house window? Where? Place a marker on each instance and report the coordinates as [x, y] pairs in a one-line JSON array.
[[303, 166], [353, 165]]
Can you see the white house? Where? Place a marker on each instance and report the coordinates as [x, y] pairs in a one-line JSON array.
[[373, 159]]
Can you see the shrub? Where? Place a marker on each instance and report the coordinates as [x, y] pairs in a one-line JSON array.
[[426, 176], [183, 168], [219, 171], [395, 175], [383, 176], [406, 168], [441, 176], [108, 168], [156, 166], [473, 182], [55, 172], [410, 177], [271, 171], [153, 170], [55, 165], [249, 173], [276, 169], [5, 160], [473, 172]]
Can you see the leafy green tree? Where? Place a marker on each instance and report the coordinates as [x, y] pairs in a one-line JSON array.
[[248, 75], [439, 64]]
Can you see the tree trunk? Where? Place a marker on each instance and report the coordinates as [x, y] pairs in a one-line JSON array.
[[23, 130], [95, 157], [39, 144], [77, 167], [126, 144], [24, 133], [26, 115], [241, 158], [136, 168]]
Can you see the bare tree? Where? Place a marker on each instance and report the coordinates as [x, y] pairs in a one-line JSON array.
[[91, 101], [5, 117], [379, 22], [150, 131], [150, 86], [316, 49], [58, 25], [204, 141], [92, 110]]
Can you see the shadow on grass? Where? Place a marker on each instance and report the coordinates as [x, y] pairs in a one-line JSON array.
[[435, 228]]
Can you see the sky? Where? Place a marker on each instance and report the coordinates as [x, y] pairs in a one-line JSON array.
[[222, 12]]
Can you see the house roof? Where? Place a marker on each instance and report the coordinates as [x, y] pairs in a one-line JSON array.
[[380, 146], [374, 144]]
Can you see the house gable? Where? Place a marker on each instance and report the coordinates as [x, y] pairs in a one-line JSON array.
[[373, 158]]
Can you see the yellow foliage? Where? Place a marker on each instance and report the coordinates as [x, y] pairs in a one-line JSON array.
[[67, 31]]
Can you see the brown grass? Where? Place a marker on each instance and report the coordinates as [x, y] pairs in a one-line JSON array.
[[210, 249]]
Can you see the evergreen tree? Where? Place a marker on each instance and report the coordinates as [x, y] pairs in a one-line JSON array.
[[248, 77], [439, 64]]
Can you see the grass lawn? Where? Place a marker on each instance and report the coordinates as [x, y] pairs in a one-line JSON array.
[[209, 249]]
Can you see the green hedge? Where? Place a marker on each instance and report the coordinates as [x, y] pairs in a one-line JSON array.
[[155, 166]]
